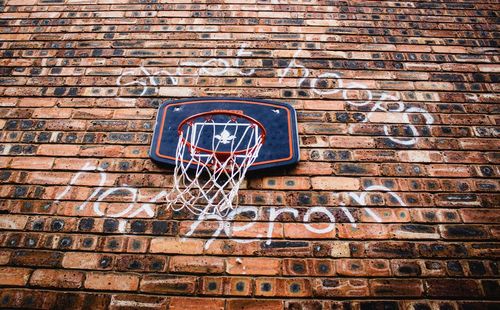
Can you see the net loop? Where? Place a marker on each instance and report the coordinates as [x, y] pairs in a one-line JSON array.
[[213, 154]]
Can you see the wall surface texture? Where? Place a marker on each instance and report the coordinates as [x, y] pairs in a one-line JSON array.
[[394, 204]]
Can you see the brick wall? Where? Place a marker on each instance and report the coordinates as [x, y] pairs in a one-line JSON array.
[[394, 202]]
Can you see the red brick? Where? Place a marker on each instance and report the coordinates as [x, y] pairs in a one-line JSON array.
[[397, 287], [238, 286], [449, 49], [362, 267], [134, 114], [212, 285], [252, 304], [285, 287], [52, 113], [128, 301], [356, 169], [406, 268], [299, 231], [435, 215], [196, 264], [313, 267], [74, 163], [176, 92], [340, 287], [93, 114], [252, 266], [17, 222], [102, 150], [290, 183], [181, 303], [489, 68], [452, 287], [266, 287], [463, 232], [4, 257], [66, 125], [4, 162], [14, 276], [420, 156], [36, 258], [167, 284], [176, 246], [41, 163], [479, 215], [8, 102], [449, 171], [49, 178], [414, 231], [111, 281], [58, 150], [57, 278], [363, 231], [141, 263], [340, 249], [352, 142], [335, 183], [312, 168], [78, 260]]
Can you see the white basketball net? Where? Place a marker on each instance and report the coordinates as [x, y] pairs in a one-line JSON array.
[[206, 180]]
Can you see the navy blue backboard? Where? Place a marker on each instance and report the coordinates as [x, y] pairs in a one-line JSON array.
[[279, 120]]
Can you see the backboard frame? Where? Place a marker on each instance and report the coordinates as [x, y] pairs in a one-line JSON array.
[[269, 113]]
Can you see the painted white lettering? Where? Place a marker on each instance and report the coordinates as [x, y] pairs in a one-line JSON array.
[[323, 210]]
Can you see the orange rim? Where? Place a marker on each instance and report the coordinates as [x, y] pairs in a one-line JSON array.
[[238, 114]]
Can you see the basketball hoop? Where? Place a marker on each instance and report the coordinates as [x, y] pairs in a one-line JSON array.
[[213, 142], [213, 154]]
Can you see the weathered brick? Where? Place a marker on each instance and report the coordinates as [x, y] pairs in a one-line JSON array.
[[452, 287], [77, 260], [463, 232], [340, 287], [290, 183], [129, 301], [479, 215], [391, 249], [172, 245], [178, 303], [111, 281], [252, 266], [413, 231], [4, 257], [195, 264], [16, 222], [335, 183], [167, 284], [139, 263], [36, 258], [56, 278], [396, 287], [358, 267], [420, 156], [240, 304], [491, 288], [58, 150], [238, 286], [363, 231], [10, 276], [340, 249], [32, 163]]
